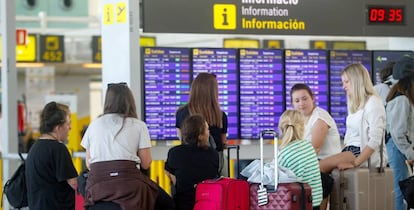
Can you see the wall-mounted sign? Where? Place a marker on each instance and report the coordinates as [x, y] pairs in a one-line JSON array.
[[337, 45], [281, 17], [21, 36], [147, 41], [241, 43], [144, 41], [52, 48], [27, 53], [273, 44], [96, 49]]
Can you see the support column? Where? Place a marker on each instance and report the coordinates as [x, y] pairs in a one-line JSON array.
[[120, 46], [9, 139]]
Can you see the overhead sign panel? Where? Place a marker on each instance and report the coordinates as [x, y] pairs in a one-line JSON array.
[[52, 48], [281, 17]]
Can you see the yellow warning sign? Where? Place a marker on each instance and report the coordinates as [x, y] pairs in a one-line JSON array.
[[108, 14], [224, 16], [121, 14]]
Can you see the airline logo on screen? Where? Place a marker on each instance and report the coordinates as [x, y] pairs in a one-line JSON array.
[[224, 16]]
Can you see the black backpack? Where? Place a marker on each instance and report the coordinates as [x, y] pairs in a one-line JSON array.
[[15, 188]]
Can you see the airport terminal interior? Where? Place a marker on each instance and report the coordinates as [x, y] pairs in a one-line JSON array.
[[61, 55]]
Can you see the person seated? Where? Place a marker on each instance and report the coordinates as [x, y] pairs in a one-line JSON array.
[[192, 162], [320, 130], [298, 155], [365, 123]]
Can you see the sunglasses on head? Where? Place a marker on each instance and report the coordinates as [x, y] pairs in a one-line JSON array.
[[117, 84]]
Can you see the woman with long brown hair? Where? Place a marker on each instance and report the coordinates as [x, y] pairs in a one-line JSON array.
[[204, 100]]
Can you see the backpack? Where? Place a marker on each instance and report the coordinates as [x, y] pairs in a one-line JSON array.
[[15, 188]]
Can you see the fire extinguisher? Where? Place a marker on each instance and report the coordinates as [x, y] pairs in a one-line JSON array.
[[21, 117]]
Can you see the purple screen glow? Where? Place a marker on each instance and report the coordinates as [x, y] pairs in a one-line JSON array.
[[167, 84], [261, 91], [309, 67], [222, 63]]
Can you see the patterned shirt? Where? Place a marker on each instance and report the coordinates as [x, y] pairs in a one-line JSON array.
[[300, 157]]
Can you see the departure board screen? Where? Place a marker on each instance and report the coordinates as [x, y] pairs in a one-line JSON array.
[[262, 98], [339, 59], [222, 63], [309, 67], [166, 87], [381, 58]]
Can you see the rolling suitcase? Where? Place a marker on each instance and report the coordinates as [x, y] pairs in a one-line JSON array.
[[363, 188], [360, 189], [286, 196], [223, 193]]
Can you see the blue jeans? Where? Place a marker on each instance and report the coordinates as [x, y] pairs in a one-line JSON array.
[[397, 162]]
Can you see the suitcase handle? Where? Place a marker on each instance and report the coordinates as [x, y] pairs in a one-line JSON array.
[[275, 138], [237, 148]]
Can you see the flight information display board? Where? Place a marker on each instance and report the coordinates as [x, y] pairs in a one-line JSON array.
[[222, 63], [166, 87], [381, 58], [311, 68], [339, 59], [262, 98]]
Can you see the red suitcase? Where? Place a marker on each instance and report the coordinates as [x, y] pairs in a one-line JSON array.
[[223, 193], [287, 195]]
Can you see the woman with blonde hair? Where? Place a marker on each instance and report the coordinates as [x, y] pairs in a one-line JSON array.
[[365, 123], [298, 155], [204, 100]]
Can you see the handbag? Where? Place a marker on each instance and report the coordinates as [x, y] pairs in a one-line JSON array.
[[407, 189]]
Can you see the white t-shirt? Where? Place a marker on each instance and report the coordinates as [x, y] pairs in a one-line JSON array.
[[99, 138], [331, 144], [353, 125]]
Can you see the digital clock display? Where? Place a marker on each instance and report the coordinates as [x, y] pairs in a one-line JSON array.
[[393, 15]]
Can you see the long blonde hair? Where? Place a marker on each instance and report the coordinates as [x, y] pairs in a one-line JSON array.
[[291, 126], [204, 99], [361, 86]]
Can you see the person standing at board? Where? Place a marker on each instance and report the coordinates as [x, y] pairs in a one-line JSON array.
[[365, 123], [387, 81], [117, 146], [400, 124], [320, 130], [51, 178], [204, 100]]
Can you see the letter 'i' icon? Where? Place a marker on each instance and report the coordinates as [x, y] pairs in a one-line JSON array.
[[225, 23], [224, 16]]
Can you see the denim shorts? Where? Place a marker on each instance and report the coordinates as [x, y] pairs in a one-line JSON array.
[[355, 150]]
